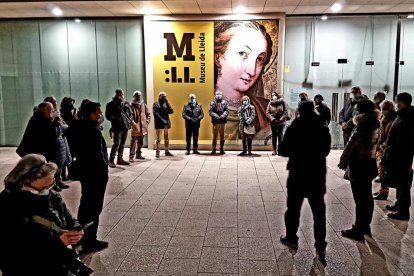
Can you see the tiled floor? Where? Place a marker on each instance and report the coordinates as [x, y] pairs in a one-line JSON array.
[[214, 215]]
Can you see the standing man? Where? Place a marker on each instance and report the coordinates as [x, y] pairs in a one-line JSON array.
[[322, 109], [218, 112], [162, 110], [345, 117], [92, 156], [141, 119], [307, 174], [192, 114], [398, 157], [119, 113]]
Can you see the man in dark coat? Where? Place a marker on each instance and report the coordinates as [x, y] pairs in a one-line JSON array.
[[119, 113], [322, 109], [398, 157], [162, 110], [92, 156], [307, 174], [218, 112], [192, 114]]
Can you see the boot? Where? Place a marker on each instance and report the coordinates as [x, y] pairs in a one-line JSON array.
[[121, 161], [157, 154], [222, 147], [249, 146], [111, 163], [244, 152], [382, 194]]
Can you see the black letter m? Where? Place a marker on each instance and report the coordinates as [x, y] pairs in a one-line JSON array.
[[185, 44]]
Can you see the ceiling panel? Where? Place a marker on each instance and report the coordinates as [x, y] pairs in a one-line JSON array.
[[215, 4], [282, 3], [128, 8], [310, 9], [285, 9]]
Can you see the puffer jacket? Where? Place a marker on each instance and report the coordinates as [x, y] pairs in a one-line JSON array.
[[193, 115], [218, 116], [277, 112], [362, 144], [26, 247]]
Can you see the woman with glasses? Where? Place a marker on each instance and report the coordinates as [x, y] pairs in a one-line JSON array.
[[37, 229]]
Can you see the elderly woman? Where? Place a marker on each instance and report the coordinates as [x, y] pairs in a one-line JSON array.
[[28, 245], [246, 113]]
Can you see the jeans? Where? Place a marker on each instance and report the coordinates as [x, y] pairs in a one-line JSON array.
[[277, 134]]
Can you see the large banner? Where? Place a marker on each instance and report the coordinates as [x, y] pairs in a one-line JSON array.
[[236, 57]]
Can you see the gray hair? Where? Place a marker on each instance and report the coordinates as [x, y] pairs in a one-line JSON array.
[[30, 168]]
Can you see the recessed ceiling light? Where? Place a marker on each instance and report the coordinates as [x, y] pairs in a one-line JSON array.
[[77, 20], [239, 9], [324, 17], [336, 7], [57, 11], [146, 10], [410, 16]]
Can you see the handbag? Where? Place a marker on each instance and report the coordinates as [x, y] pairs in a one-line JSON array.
[[249, 129]]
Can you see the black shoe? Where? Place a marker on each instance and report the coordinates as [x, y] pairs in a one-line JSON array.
[[111, 164], [168, 153], [122, 162], [222, 152], [380, 196], [56, 189], [353, 234], [89, 247], [196, 152], [399, 215], [62, 185], [346, 176], [321, 255], [367, 231], [139, 157], [292, 245], [187, 152], [243, 153], [213, 151], [392, 208]]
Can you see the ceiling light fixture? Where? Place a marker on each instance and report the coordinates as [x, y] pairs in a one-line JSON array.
[[336, 7], [77, 20], [410, 16], [240, 9], [57, 11], [324, 17]]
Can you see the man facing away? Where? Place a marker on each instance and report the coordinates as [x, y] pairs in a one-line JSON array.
[[119, 113]]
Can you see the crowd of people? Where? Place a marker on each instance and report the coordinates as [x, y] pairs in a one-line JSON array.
[[68, 144]]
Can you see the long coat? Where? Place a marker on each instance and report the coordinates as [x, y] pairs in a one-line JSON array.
[[307, 142], [141, 118]]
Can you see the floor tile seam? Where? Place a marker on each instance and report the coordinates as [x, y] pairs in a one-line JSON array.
[[181, 213], [127, 212], [267, 219]]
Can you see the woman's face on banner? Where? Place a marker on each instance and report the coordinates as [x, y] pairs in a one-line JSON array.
[[244, 59]]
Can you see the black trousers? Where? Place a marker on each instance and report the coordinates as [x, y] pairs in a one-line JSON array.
[[120, 137], [191, 131], [295, 197], [361, 174], [404, 183], [91, 203], [277, 134]]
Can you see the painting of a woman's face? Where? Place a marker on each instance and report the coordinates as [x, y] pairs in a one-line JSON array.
[[243, 61]]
